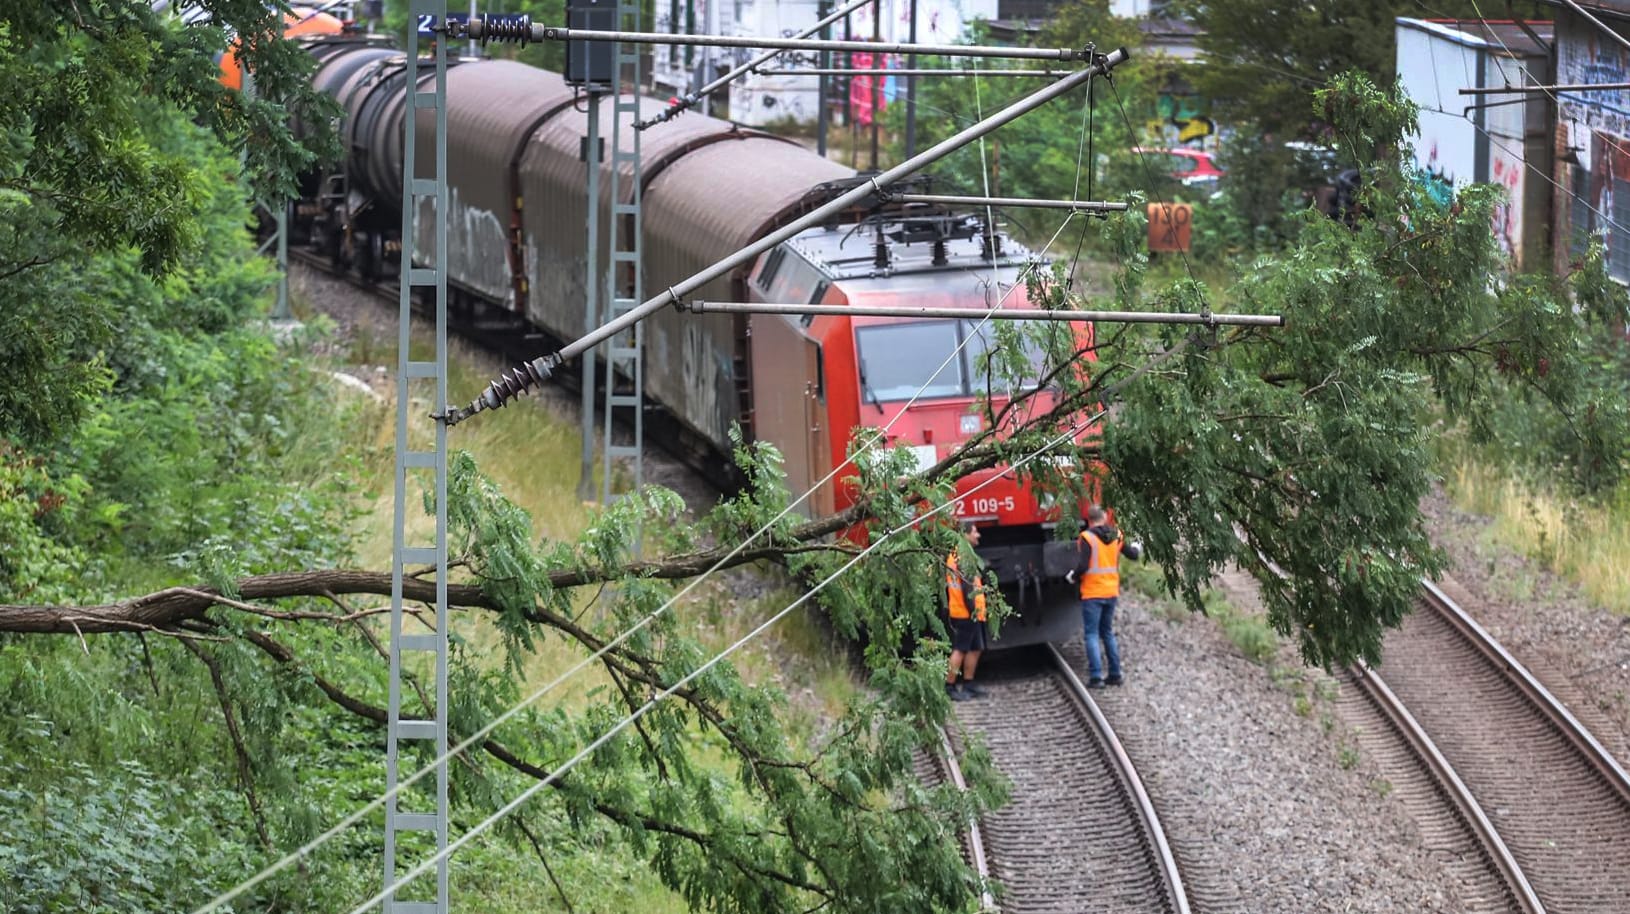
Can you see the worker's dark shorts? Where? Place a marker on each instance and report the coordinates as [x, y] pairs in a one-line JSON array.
[[967, 635]]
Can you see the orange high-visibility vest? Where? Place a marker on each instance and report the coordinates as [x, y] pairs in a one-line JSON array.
[[1103, 577], [953, 591]]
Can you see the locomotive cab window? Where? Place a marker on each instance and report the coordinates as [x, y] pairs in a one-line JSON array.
[[896, 360], [772, 264], [981, 339]]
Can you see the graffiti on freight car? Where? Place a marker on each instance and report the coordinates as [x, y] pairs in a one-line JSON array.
[[696, 366], [478, 235]]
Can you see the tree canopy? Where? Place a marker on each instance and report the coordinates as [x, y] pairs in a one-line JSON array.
[[93, 103]]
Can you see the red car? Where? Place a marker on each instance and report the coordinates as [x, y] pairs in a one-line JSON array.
[[1193, 167]]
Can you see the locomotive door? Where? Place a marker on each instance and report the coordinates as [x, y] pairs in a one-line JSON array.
[[786, 377]]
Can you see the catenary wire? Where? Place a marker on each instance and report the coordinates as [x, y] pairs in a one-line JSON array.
[[305, 850]]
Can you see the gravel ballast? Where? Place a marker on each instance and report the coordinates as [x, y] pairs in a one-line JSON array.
[[1267, 809], [1580, 652]]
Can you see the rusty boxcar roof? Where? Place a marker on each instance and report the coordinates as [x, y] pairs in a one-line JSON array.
[[691, 221], [492, 107]]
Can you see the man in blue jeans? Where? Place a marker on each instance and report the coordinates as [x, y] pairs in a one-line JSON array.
[[1098, 572]]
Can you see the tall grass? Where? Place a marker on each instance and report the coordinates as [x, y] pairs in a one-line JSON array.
[[534, 454], [1585, 542]]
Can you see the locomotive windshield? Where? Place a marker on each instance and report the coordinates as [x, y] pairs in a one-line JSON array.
[[896, 360]]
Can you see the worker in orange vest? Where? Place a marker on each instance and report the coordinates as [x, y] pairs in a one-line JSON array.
[[1098, 571], [966, 597]]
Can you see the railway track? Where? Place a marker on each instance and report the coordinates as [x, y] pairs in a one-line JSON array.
[[1080, 833], [1541, 819], [942, 766]]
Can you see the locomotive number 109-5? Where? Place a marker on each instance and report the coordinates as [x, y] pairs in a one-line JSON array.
[[984, 506]]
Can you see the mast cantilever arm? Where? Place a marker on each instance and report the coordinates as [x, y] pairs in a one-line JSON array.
[[1000, 314]]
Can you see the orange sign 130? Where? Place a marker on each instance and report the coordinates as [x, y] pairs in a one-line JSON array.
[[1169, 225]]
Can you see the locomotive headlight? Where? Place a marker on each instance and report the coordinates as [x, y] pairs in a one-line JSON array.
[[1047, 500]]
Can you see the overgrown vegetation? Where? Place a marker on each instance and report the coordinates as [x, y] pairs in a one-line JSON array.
[[241, 701], [1586, 540]]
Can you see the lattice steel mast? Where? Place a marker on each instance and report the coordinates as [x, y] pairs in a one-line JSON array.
[[625, 395], [404, 645]]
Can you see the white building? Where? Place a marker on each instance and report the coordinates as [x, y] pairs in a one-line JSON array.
[[760, 100]]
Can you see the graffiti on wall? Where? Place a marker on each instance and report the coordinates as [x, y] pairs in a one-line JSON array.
[[1183, 119], [1583, 60], [1506, 170]]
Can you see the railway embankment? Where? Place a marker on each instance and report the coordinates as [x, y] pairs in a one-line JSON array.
[[1578, 652]]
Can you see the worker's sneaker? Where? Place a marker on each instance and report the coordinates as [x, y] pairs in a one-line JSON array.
[[973, 691], [956, 692], [1114, 681], [1095, 683]]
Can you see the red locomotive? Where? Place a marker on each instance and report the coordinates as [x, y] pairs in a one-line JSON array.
[[516, 258]]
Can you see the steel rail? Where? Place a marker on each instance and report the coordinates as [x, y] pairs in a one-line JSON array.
[[524, 29], [976, 841], [524, 376], [1003, 314], [1459, 795], [1078, 206], [689, 99], [1177, 896], [1558, 714]]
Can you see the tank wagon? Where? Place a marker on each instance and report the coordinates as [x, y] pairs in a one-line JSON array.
[[517, 249]]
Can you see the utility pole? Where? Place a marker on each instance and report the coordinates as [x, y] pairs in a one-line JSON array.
[[426, 817], [588, 66], [877, 82], [707, 55], [911, 85], [823, 117], [625, 286], [591, 297], [849, 96]]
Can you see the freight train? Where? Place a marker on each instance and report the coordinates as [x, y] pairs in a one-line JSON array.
[[516, 251]]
